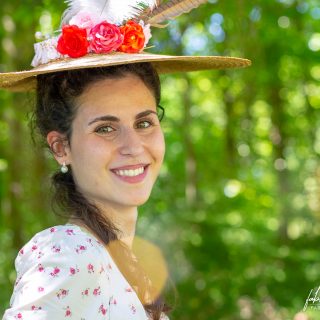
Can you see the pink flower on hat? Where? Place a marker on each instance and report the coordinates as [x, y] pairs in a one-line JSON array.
[[85, 20], [105, 37]]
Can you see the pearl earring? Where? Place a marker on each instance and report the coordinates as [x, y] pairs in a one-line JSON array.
[[64, 168]]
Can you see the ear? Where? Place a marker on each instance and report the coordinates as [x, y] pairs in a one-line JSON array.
[[59, 146]]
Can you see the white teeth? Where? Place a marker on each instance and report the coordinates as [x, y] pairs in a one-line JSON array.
[[130, 173]]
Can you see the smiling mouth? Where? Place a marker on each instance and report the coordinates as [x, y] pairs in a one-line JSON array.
[[130, 173]]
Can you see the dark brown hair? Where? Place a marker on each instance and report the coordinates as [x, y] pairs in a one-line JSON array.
[[55, 111]]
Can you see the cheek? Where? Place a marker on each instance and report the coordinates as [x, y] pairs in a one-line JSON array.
[[158, 146], [86, 150], [90, 157]]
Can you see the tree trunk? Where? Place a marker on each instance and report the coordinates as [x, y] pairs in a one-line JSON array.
[[191, 162], [279, 140]]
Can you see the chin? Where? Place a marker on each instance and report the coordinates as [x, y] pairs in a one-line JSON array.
[[138, 200]]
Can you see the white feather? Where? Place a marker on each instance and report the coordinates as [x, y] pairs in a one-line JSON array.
[[114, 11]]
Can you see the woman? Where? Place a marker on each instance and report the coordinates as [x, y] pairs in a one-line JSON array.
[[99, 116], [103, 129]]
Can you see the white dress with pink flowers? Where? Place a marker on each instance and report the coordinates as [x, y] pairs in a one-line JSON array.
[[66, 273]]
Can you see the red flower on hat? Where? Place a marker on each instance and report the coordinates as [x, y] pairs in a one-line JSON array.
[[105, 37], [73, 41], [134, 38]]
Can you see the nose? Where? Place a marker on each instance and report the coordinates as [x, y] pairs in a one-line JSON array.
[[131, 143]]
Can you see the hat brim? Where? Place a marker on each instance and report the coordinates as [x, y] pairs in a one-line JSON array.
[[26, 80]]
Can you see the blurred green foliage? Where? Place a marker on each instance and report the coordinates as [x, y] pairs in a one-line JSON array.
[[237, 205]]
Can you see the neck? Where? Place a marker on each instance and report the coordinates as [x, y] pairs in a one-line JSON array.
[[124, 219]]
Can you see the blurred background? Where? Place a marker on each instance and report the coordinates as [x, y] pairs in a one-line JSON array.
[[237, 206]]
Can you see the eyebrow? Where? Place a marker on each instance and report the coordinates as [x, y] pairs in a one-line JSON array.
[[115, 119]]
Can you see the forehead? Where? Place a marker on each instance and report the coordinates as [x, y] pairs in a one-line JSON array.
[[118, 96]]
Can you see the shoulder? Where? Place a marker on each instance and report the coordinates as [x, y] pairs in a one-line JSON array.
[[61, 271], [61, 245]]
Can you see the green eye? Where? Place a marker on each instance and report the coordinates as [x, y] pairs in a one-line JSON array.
[[144, 124], [104, 129]]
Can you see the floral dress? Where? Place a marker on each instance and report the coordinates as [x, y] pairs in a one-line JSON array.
[[66, 273]]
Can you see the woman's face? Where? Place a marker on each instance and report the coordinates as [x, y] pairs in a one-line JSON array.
[[117, 145]]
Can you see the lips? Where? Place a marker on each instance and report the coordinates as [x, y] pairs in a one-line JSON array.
[[132, 173]]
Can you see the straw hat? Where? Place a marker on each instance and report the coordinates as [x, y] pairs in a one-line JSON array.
[[85, 22]]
